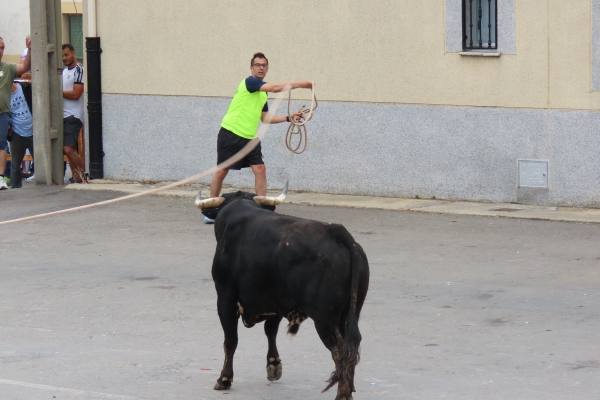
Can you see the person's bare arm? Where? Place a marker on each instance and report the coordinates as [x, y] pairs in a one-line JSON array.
[[267, 118], [25, 64], [77, 91], [280, 87], [74, 94]]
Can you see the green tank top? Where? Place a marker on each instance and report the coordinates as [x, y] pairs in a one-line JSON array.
[[244, 112], [8, 72]]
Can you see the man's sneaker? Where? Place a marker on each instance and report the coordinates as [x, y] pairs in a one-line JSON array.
[[208, 221], [3, 183]]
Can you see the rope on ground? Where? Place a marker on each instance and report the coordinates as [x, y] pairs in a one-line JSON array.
[[296, 132], [225, 164]]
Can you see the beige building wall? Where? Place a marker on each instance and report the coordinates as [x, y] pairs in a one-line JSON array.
[[570, 55], [381, 51], [14, 26], [71, 7], [402, 112]]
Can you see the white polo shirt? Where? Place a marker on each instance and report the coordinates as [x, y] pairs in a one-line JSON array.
[[70, 77]]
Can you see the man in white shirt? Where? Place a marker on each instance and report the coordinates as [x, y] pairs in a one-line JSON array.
[[72, 80]]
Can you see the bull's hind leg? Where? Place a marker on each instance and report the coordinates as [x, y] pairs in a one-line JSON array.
[[273, 361], [332, 339], [228, 314]]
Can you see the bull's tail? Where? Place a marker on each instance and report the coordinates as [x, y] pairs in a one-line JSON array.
[[349, 336]]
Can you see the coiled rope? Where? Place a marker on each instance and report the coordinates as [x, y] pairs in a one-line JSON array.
[[296, 132]]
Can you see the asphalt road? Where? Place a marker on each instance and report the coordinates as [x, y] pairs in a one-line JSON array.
[[117, 303]]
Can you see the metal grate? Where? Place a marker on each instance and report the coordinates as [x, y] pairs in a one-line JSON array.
[[480, 24]]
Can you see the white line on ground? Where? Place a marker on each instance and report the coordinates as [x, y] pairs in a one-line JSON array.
[[85, 394]]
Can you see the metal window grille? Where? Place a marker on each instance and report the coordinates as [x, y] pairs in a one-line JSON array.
[[480, 24]]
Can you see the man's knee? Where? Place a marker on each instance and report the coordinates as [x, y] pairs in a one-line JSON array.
[[259, 169], [221, 173]]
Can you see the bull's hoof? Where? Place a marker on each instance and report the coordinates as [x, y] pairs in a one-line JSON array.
[[223, 383], [344, 393], [274, 369]]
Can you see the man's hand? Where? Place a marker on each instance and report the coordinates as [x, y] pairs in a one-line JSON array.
[[297, 117], [28, 42]]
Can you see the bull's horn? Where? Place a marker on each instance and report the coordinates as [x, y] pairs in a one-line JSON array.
[[211, 202], [272, 201]]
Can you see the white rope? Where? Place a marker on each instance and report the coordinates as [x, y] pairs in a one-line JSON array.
[[225, 164], [297, 128]]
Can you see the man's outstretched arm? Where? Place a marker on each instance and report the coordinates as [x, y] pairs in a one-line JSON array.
[[280, 87]]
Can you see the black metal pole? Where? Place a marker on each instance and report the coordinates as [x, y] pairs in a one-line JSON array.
[[471, 23], [479, 28], [94, 79], [489, 24]]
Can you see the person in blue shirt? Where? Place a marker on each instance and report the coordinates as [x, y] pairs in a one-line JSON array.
[[21, 123]]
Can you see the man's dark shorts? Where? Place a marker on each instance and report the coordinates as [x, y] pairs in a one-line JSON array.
[[228, 144], [71, 127]]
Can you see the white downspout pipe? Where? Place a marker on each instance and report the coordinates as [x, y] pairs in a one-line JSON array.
[[90, 11]]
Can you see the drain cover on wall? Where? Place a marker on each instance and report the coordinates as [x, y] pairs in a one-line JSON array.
[[533, 174]]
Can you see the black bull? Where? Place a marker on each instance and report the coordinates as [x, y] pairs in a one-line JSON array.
[[268, 266]]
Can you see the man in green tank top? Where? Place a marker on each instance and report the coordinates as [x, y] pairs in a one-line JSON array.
[[247, 110]]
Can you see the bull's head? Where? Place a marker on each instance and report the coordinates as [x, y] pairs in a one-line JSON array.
[[210, 207]]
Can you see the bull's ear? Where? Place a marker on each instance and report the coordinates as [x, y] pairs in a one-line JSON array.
[[211, 202]]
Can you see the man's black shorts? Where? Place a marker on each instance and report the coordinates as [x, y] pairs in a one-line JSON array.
[[71, 127], [228, 144]]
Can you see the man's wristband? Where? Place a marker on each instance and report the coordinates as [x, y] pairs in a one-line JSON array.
[[287, 118]]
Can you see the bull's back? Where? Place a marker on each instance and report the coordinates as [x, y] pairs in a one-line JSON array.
[[281, 263]]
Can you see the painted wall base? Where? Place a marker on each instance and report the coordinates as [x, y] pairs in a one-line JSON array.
[[466, 153]]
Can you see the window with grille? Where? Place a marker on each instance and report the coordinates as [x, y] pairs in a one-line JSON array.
[[480, 24]]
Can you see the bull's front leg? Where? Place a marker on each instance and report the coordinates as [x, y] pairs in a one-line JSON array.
[[228, 314], [273, 361]]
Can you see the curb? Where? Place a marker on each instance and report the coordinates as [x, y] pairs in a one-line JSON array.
[[504, 210]]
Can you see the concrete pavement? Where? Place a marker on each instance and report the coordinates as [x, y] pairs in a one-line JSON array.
[[117, 303]]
